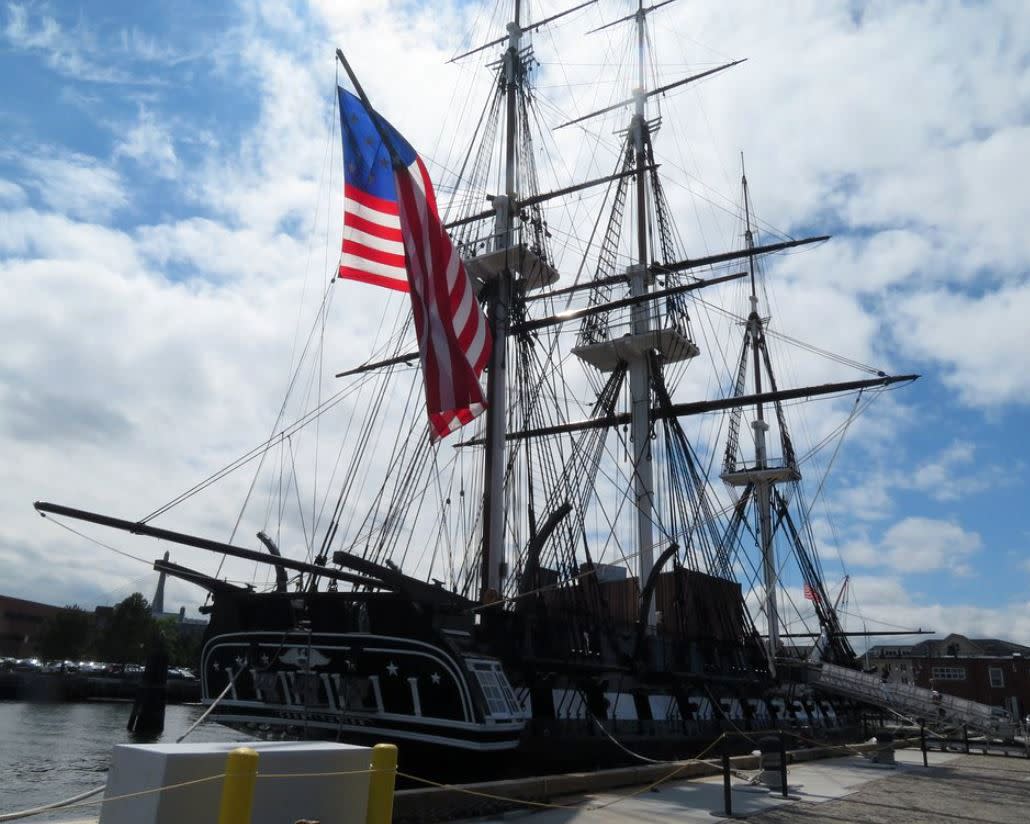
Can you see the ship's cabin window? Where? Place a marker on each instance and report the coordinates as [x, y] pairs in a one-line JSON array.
[[500, 699], [997, 676]]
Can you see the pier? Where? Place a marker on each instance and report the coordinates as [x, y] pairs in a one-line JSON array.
[[947, 787], [953, 788]]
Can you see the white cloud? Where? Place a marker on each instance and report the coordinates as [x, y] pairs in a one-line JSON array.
[[917, 544], [11, 193], [21, 33], [92, 54], [980, 340], [75, 184], [952, 474], [210, 248], [29, 233], [889, 603], [149, 142]]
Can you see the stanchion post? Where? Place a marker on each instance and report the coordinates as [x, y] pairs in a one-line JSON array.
[[922, 740], [783, 763], [238, 786], [727, 799], [381, 782], [965, 737]]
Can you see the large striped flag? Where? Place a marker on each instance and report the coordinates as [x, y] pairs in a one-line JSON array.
[[393, 237]]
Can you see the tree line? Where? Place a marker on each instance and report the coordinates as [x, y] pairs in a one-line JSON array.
[[122, 636]]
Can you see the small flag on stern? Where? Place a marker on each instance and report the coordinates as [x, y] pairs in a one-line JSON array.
[[393, 237], [811, 594]]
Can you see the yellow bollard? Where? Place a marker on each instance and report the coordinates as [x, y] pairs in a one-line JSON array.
[[380, 784], [238, 787]]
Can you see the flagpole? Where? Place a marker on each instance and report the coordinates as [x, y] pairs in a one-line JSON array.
[[373, 115]]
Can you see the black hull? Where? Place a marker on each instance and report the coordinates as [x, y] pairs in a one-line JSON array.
[[465, 701]]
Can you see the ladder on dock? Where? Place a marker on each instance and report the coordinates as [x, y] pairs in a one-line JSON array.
[[916, 702]]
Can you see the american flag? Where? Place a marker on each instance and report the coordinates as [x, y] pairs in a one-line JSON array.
[[811, 594], [373, 248], [393, 237]]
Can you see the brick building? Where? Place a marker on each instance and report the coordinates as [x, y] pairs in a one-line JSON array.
[[986, 670], [20, 623]]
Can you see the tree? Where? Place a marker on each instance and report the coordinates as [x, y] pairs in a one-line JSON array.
[[66, 635], [126, 635], [183, 646]]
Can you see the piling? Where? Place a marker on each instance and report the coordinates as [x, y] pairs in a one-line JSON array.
[[783, 764], [380, 785], [773, 764], [238, 786], [884, 753], [727, 796], [148, 710]]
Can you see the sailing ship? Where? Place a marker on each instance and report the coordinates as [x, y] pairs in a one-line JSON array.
[[563, 577]]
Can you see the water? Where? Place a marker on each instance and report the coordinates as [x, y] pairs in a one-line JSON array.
[[53, 751]]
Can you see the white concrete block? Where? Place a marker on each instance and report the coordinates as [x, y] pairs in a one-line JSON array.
[[337, 799]]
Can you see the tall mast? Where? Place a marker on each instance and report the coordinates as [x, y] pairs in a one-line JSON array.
[[639, 367], [498, 314], [760, 427]]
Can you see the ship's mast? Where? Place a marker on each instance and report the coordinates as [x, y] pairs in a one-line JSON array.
[[760, 427], [759, 479], [498, 313], [639, 367]]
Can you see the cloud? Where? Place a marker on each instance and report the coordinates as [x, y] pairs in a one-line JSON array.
[[31, 233], [22, 34], [75, 53], [987, 367], [149, 142], [918, 544], [210, 249], [75, 184], [952, 474], [11, 193], [888, 602], [923, 544]]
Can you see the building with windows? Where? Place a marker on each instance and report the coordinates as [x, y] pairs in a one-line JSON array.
[[986, 670], [20, 623]]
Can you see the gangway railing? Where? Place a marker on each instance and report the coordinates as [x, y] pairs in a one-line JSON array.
[[936, 708]]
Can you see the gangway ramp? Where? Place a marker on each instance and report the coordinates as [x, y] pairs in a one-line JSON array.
[[917, 702]]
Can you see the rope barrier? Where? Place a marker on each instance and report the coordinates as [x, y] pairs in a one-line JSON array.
[[85, 799], [680, 767], [52, 806], [80, 800], [88, 803]]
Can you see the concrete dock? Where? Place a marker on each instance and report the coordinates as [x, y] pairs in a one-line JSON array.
[[954, 788]]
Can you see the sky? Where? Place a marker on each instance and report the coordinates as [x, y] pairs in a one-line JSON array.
[[167, 230]]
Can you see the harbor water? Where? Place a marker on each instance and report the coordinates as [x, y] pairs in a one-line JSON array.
[[53, 751]]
